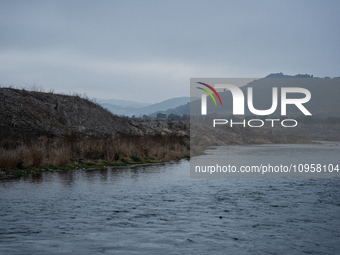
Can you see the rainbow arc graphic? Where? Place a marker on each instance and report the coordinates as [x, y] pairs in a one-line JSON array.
[[209, 93]]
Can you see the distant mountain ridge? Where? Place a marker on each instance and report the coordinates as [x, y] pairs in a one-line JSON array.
[[281, 75], [122, 103], [146, 110]]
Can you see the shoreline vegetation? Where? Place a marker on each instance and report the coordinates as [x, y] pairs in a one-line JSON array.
[[77, 152]]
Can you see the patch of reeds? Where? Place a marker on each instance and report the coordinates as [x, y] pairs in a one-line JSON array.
[[43, 151]]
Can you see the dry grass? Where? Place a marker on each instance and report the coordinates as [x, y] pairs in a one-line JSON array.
[[8, 159], [45, 151]]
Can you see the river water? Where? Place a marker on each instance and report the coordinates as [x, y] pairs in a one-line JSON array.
[[159, 209]]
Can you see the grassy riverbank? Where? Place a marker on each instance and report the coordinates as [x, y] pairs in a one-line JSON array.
[[76, 151]]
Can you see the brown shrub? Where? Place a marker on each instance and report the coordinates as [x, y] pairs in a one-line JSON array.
[[8, 159], [38, 156], [62, 156], [24, 156]]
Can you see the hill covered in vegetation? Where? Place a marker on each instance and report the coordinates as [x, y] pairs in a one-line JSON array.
[[25, 114]]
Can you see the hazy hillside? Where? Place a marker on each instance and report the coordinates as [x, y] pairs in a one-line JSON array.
[[122, 103], [140, 111], [179, 110]]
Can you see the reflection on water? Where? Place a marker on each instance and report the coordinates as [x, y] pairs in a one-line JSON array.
[[158, 209]]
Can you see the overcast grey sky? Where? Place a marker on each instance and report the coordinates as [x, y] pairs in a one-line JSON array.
[[147, 51]]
